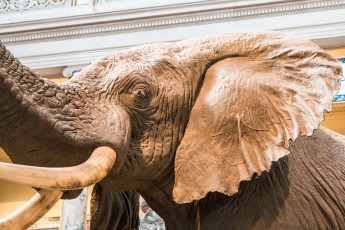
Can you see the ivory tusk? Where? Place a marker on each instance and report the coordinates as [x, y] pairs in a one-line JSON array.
[[32, 211], [65, 178]]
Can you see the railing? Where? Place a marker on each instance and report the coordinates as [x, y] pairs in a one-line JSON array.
[[14, 6], [11, 6]]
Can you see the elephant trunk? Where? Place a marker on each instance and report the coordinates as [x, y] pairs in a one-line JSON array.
[[54, 126], [32, 104], [23, 91], [18, 79], [27, 106], [10, 97]]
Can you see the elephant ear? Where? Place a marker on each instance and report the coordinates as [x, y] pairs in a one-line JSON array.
[[247, 110]]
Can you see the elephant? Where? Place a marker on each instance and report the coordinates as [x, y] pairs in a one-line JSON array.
[[217, 132]]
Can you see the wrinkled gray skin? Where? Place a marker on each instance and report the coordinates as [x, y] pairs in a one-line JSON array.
[[139, 105]]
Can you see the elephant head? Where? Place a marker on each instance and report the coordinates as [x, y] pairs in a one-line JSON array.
[[206, 113]]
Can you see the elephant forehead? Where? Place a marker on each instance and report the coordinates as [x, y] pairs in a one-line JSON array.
[[144, 53], [158, 66]]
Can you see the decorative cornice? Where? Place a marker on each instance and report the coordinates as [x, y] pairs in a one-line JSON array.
[[171, 21]]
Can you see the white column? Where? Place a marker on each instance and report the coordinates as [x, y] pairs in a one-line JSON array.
[[74, 212], [84, 2], [71, 71]]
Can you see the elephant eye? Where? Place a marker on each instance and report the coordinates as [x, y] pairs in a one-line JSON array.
[[140, 93], [138, 96]]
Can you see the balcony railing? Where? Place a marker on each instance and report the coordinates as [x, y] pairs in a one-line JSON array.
[[15, 6], [11, 6]]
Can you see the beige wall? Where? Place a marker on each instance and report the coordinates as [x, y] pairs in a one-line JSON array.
[[340, 52], [9, 207], [13, 196]]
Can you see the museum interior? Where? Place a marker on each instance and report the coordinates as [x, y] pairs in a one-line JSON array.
[[58, 38]]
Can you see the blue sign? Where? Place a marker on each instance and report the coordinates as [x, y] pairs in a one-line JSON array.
[[340, 97]]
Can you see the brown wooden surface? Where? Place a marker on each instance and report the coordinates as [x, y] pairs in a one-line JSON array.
[[336, 119]]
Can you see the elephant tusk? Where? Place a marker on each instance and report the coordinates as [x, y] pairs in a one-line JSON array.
[[32, 211], [88, 173]]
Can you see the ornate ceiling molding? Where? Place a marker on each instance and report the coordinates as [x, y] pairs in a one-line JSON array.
[[157, 20], [79, 35]]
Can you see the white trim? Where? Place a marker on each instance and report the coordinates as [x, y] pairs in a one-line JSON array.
[[127, 19]]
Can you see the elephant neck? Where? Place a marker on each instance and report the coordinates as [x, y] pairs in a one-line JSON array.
[[158, 194], [176, 216]]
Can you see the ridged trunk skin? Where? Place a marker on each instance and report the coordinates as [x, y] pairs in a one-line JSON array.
[[10, 96], [13, 110], [18, 85], [26, 123]]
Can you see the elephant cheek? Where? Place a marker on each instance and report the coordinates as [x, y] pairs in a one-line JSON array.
[[118, 133]]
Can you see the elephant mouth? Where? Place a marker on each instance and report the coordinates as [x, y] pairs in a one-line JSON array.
[[52, 183]]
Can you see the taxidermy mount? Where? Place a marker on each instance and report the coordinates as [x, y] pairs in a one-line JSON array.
[[220, 132]]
